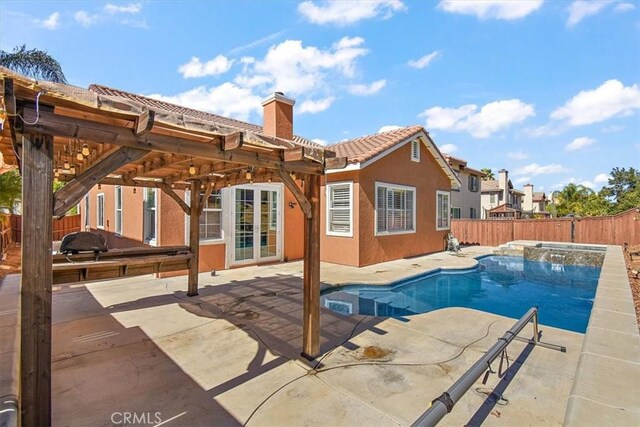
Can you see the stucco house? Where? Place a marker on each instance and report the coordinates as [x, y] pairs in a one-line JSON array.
[[534, 203], [465, 200], [391, 201], [499, 198]]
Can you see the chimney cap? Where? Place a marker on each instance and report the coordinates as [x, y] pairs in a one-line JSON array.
[[502, 171], [278, 96]]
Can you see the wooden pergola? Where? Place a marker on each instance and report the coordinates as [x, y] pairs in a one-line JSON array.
[[54, 131]]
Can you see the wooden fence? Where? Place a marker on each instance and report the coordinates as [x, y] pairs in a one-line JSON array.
[[607, 230], [65, 225], [5, 234]]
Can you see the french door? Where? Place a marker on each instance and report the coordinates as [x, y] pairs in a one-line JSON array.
[[256, 224]]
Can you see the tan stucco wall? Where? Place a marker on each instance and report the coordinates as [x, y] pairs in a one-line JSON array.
[[464, 198], [397, 168], [340, 249], [293, 222]]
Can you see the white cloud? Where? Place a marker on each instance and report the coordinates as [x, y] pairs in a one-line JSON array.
[[256, 43], [317, 106], [388, 128], [195, 68], [131, 8], [51, 23], [365, 90], [624, 7], [320, 141], [610, 99], [424, 61], [449, 148], [580, 9], [534, 169], [602, 178], [85, 19], [348, 12], [492, 9], [579, 143], [517, 155], [522, 180], [295, 69], [480, 123], [227, 100], [612, 128]]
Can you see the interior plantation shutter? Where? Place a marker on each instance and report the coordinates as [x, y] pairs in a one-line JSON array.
[[382, 209], [340, 209], [409, 210]]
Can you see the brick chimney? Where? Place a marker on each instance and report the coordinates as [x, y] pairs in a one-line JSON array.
[[278, 116]]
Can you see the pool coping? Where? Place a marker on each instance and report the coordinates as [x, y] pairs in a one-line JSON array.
[[607, 381]]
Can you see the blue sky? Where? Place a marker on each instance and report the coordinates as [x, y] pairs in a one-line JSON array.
[[549, 90]]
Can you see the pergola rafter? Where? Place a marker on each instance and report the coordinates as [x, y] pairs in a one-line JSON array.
[[133, 145]]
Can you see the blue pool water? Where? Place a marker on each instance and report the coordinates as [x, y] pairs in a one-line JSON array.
[[507, 286]]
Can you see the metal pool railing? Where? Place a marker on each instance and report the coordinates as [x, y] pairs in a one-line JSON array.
[[443, 404]]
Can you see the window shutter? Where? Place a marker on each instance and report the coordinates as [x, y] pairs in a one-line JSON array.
[[339, 208]]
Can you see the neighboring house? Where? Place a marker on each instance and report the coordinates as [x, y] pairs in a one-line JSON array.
[[534, 202], [391, 201], [500, 199], [465, 201]]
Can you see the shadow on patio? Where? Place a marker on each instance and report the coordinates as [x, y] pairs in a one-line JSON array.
[[143, 346]]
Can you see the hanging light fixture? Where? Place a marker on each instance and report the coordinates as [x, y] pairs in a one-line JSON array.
[[72, 169], [292, 175], [66, 164], [99, 186], [192, 168], [134, 190], [85, 150], [56, 172], [248, 175], [79, 156], [269, 179]]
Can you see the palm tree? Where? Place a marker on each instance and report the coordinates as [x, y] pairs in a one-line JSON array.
[[34, 63], [571, 198], [488, 174]]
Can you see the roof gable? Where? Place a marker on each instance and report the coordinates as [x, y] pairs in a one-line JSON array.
[[365, 150]]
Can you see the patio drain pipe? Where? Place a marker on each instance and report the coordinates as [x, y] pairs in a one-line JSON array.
[[442, 405]]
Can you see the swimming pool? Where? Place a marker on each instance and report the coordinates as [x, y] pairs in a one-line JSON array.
[[503, 285]]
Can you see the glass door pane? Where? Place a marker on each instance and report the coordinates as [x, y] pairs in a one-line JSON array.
[[268, 223], [244, 241]]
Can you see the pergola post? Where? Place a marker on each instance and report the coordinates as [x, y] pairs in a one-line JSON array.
[[35, 335], [311, 291], [194, 237]]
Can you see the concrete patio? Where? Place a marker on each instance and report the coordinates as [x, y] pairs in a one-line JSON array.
[[231, 356]]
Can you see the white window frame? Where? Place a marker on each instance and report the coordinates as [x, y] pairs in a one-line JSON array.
[[415, 150], [329, 186], [205, 209], [448, 210], [116, 210], [87, 219], [100, 211], [224, 218], [154, 241], [375, 219]]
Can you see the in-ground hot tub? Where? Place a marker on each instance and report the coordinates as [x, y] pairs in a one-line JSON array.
[[566, 253]]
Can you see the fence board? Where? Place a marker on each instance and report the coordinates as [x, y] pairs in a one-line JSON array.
[[607, 230], [61, 227]]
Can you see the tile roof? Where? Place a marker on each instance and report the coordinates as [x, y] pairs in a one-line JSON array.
[[201, 115], [490, 185], [538, 196], [361, 149]]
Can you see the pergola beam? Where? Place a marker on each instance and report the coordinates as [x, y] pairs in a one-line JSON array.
[[194, 238], [169, 192], [297, 193], [36, 281], [69, 195], [72, 127], [311, 279]]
